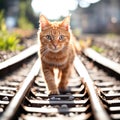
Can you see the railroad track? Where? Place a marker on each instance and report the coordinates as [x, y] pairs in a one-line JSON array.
[[93, 91], [109, 46]]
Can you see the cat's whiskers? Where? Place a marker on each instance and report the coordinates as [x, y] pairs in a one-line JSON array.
[[56, 51], [44, 51]]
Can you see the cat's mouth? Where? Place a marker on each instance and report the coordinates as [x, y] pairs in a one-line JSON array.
[[55, 49]]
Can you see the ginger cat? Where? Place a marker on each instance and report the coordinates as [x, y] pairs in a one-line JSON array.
[[56, 51]]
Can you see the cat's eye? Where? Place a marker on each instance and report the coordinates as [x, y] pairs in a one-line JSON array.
[[61, 37], [48, 37]]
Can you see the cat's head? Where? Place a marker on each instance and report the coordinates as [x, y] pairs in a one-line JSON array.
[[54, 36]]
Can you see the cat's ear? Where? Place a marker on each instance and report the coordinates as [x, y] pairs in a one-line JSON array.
[[66, 23], [43, 22]]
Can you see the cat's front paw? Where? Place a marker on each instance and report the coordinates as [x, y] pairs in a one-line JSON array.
[[54, 92], [63, 89]]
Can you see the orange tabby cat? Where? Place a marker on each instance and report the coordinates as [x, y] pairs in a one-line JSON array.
[[56, 51]]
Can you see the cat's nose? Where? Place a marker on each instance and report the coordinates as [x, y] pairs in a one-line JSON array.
[[55, 46]]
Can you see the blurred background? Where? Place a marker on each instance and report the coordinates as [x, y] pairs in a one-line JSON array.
[[87, 16]]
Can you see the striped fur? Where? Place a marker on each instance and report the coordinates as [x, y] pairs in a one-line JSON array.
[[56, 51]]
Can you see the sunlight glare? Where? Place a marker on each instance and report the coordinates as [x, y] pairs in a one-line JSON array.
[[83, 4], [54, 9], [92, 1]]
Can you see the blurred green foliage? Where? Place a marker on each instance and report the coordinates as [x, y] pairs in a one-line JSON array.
[[97, 49], [23, 21], [8, 41]]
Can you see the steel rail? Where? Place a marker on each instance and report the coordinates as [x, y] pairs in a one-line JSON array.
[[98, 110], [18, 98], [102, 60], [18, 58]]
